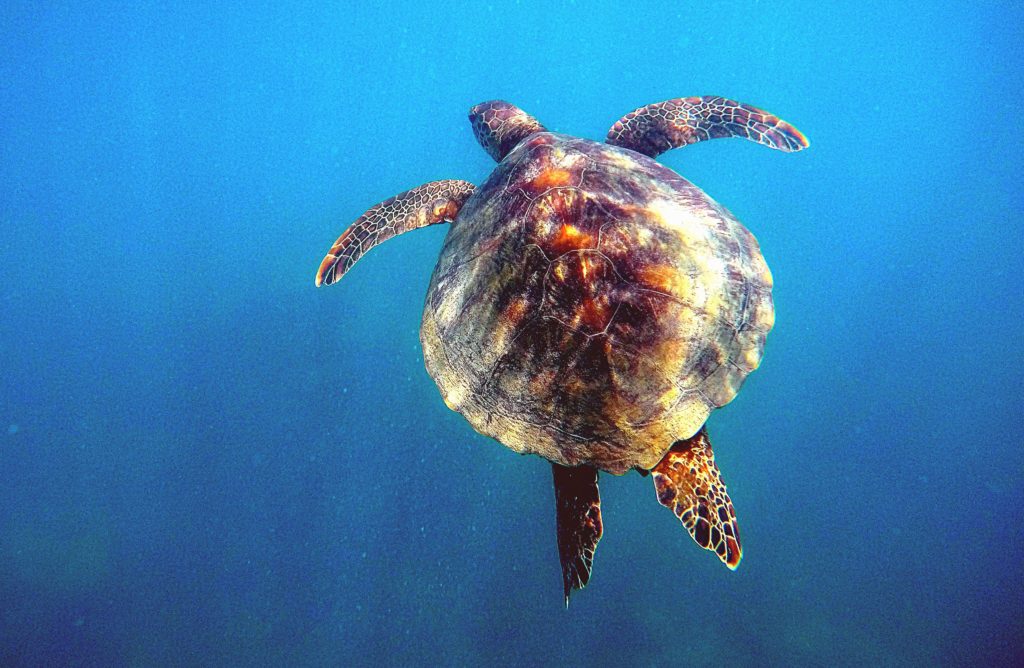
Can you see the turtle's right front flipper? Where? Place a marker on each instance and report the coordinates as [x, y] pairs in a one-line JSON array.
[[578, 520], [428, 204], [656, 128]]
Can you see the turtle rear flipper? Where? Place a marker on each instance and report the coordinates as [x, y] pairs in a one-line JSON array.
[[656, 128], [688, 482], [428, 204], [578, 515]]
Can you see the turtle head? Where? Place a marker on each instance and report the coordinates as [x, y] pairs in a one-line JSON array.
[[500, 126]]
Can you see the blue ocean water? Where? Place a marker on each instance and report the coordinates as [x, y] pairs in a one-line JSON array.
[[204, 460]]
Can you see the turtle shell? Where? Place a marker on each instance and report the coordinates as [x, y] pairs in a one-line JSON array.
[[592, 306]]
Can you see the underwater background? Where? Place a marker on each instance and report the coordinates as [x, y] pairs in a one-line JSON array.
[[204, 460]]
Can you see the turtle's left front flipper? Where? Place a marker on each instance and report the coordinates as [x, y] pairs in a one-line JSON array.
[[428, 204], [578, 514], [688, 482]]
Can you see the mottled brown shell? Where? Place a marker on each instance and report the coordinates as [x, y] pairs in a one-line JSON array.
[[592, 306]]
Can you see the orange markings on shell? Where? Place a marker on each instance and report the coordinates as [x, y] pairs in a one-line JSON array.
[[663, 279], [515, 311], [569, 234], [585, 266], [569, 238], [552, 178], [595, 314]]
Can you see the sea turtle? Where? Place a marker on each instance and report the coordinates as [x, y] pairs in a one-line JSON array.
[[591, 306]]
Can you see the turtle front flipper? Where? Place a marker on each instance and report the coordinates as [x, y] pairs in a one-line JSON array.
[[578, 515], [500, 126], [428, 204], [656, 128], [688, 482]]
